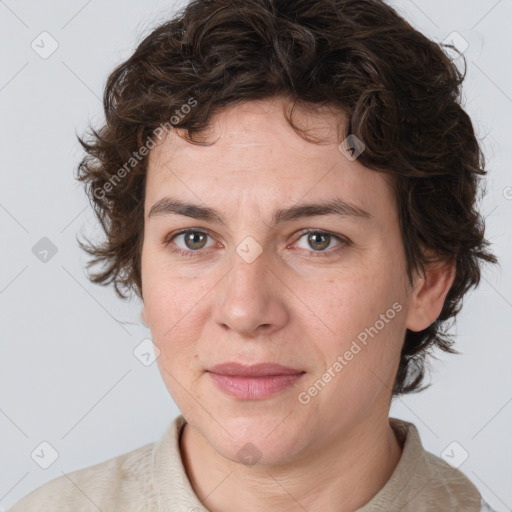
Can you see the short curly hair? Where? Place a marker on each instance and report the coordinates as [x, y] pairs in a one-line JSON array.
[[400, 91]]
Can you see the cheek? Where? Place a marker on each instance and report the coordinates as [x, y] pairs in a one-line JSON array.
[[365, 316], [171, 307], [175, 324], [173, 317], [353, 301], [165, 294]]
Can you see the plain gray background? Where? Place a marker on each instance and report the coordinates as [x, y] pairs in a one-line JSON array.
[[68, 374]]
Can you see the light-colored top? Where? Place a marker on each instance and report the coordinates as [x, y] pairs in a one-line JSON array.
[[152, 478]]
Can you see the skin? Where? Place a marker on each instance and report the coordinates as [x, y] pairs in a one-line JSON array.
[[288, 306]]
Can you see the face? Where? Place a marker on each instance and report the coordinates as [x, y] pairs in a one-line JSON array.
[[305, 289]]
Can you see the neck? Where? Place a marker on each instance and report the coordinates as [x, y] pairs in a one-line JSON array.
[[342, 475]]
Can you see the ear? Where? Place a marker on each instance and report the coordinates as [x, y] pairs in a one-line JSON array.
[[429, 293]]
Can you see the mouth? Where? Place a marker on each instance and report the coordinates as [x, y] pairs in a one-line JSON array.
[[254, 382], [254, 370]]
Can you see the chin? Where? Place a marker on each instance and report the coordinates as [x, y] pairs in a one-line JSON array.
[[254, 441]]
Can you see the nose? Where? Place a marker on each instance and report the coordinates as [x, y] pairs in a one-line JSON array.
[[250, 300]]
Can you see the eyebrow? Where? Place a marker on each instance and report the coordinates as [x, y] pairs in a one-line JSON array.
[[173, 206]]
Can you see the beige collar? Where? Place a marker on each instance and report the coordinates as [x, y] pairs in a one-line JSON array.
[[421, 481]]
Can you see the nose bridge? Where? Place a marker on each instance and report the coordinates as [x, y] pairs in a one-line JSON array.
[[250, 265], [250, 295]]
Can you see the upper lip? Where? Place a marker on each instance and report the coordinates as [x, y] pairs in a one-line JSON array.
[[255, 370]]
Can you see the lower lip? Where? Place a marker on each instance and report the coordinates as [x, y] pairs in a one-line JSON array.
[[254, 388]]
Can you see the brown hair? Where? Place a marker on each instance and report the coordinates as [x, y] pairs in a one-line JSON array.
[[400, 91]]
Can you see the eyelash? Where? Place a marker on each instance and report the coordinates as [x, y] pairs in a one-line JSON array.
[[316, 254]]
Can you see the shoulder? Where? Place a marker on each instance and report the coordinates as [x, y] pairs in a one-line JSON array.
[[486, 507], [118, 483], [427, 480]]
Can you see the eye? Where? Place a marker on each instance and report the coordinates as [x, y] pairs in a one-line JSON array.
[[320, 241], [188, 241]]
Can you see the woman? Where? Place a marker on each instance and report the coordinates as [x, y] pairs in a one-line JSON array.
[[289, 187]]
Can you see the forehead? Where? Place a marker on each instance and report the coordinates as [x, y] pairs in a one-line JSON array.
[[258, 159]]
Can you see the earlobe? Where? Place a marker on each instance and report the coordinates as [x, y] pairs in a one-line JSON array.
[[429, 294]]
